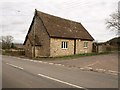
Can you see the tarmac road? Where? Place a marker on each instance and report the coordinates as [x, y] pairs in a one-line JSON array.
[[25, 73]]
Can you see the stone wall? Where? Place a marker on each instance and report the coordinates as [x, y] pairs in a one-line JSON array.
[[43, 48], [28, 49], [42, 40], [56, 50], [80, 46]]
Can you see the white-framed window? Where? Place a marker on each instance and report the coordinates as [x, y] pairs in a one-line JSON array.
[[64, 45], [85, 44]]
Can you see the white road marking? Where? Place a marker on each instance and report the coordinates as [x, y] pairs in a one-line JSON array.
[[82, 68], [31, 60], [112, 71], [35, 61], [58, 64], [18, 58], [51, 63], [73, 85], [14, 66], [44, 62], [40, 61], [102, 70], [25, 59]]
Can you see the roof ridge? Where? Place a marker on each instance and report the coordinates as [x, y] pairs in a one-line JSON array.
[[59, 17]]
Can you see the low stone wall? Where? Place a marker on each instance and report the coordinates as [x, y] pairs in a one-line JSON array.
[[13, 52]]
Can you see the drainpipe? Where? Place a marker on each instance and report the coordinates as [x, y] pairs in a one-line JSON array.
[[74, 46]]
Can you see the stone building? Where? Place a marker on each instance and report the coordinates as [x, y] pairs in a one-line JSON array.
[[108, 46], [100, 47], [51, 36]]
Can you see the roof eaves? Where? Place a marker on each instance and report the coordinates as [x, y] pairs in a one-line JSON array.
[[70, 38]]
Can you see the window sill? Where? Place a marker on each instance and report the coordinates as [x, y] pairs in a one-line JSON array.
[[64, 48], [85, 47]]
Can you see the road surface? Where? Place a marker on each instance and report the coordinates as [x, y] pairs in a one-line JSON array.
[[26, 73]]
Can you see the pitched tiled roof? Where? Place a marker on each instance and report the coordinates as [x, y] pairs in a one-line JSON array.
[[63, 28]]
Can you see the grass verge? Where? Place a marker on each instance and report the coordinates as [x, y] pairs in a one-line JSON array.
[[71, 56]]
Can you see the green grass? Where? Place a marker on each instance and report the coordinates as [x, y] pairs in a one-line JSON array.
[[71, 56], [83, 55]]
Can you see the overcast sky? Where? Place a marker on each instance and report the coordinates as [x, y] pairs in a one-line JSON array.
[[16, 15]]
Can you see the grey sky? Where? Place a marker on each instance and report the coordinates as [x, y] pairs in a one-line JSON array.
[[16, 15]]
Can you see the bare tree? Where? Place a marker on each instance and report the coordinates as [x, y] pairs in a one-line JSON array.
[[113, 22], [6, 41]]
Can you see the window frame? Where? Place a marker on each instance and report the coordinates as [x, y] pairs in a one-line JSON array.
[[85, 44], [64, 45]]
